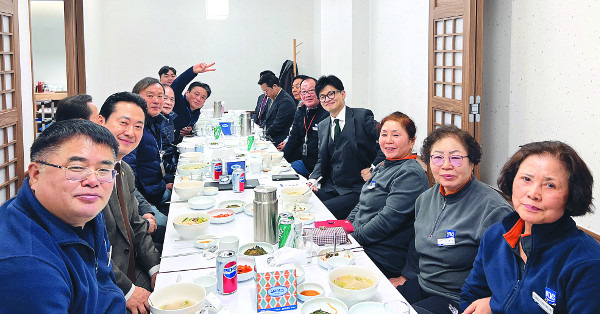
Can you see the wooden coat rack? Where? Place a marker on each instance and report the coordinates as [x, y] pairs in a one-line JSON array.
[[295, 54]]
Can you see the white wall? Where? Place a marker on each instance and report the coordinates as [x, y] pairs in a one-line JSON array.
[[133, 39], [26, 79], [398, 61], [545, 85], [48, 43]]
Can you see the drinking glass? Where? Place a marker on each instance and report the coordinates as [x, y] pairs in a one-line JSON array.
[[267, 161], [396, 307], [306, 244]]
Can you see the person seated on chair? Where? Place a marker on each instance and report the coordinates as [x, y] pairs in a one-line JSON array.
[[302, 146], [384, 217], [347, 145], [55, 251], [275, 109], [76, 107], [167, 75]]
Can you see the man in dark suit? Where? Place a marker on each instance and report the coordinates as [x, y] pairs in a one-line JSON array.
[[135, 258], [302, 147], [347, 145], [275, 109]]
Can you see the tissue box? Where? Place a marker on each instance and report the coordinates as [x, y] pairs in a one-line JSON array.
[[275, 286]]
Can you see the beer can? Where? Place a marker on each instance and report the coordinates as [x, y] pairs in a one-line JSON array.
[[227, 272], [287, 215], [285, 233], [216, 168], [238, 179]]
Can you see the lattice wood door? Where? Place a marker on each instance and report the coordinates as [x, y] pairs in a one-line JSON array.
[[455, 49], [11, 137]]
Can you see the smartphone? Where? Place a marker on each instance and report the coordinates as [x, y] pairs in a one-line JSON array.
[[283, 177]]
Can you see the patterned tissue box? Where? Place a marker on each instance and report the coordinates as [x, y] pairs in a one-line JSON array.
[[275, 286], [324, 236]]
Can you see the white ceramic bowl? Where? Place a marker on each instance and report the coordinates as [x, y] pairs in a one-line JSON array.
[[248, 261], [196, 168], [276, 157], [322, 259], [188, 189], [188, 232], [236, 205], [367, 307], [310, 286], [194, 156], [210, 190], [201, 202], [178, 292], [230, 215], [203, 242], [266, 246], [249, 209], [349, 296], [324, 304], [297, 207], [306, 218], [186, 148], [293, 194]]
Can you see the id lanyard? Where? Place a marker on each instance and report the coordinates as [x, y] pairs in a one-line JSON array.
[[161, 152], [304, 146]]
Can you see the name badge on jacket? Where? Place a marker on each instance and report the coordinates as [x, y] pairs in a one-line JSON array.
[[449, 240]]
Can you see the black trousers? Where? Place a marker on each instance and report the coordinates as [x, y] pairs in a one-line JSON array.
[[339, 205], [425, 303]]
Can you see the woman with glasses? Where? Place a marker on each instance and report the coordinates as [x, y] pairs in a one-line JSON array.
[[537, 259], [384, 216], [450, 219]]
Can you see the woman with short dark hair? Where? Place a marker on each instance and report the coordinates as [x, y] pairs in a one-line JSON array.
[[451, 218], [384, 216], [536, 258]]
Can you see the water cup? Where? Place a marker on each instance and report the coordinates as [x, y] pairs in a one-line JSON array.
[[229, 243], [208, 282]]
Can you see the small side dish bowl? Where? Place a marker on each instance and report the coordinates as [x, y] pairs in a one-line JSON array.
[[306, 218], [329, 305], [243, 274], [210, 190], [322, 258], [221, 215], [249, 209], [202, 242], [236, 205], [312, 291], [201, 202], [297, 207], [265, 246]]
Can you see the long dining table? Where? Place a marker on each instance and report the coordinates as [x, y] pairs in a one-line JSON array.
[[180, 263]]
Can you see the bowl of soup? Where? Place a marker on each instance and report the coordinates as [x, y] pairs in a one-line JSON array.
[[195, 168], [177, 298], [353, 284], [188, 189], [295, 194]]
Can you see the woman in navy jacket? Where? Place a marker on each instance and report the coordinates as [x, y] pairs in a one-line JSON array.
[[536, 260]]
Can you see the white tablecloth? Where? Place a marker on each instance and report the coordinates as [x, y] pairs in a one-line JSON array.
[[244, 300]]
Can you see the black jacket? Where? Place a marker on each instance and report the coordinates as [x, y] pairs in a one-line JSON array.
[[305, 125]]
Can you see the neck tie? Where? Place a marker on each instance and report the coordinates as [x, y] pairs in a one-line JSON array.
[[120, 193], [262, 108], [336, 129]]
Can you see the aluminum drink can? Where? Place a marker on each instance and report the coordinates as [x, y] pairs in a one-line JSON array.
[[216, 168], [238, 179], [227, 272], [287, 215], [285, 233]]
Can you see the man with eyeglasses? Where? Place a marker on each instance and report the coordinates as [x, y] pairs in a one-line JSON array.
[[55, 251], [302, 147], [347, 145], [136, 259], [275, 109]]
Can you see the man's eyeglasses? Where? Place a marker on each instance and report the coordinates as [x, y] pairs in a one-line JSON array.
[[328, 96], [306, 92], [455, 160], [79, 173]]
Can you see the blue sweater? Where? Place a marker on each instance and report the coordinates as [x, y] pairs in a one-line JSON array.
[[562, 259], [47, 266], [145, 162]]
